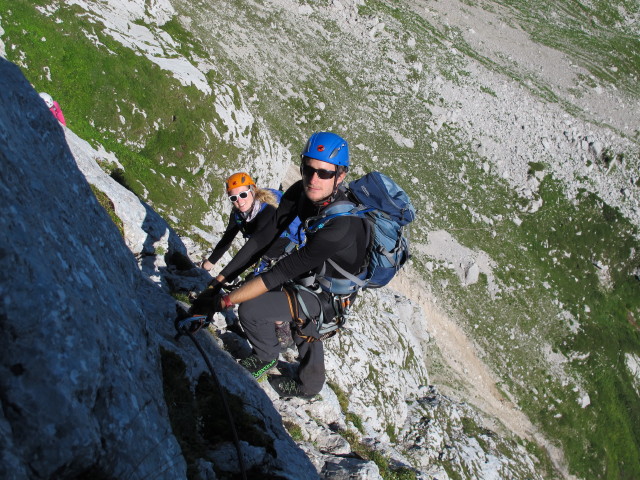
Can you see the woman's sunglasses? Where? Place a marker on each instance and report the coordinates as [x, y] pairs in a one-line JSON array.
[[234, 198], [323, 174]]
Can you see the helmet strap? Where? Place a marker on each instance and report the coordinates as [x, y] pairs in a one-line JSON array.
[[326, 201]]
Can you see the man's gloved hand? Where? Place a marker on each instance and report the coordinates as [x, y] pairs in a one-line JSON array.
[[216, 286], [207, 303]]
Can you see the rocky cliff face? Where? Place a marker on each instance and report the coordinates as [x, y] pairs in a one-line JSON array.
[[82, 389]]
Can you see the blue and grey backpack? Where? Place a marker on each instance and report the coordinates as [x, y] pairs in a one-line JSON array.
[[388, 209]]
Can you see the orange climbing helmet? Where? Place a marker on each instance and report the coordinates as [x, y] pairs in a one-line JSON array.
[[239, 179]]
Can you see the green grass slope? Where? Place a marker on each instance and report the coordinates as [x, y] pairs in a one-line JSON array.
[[117, 98]]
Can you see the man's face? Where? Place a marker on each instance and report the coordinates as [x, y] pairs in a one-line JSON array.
[[316, 188]]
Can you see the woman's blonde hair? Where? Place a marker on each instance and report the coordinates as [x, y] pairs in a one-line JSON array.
[[265, 196]]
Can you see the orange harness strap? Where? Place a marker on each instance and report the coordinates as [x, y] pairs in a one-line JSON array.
[[294, 309]]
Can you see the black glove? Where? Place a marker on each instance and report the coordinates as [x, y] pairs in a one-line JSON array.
[[215, 286], [207, 303]]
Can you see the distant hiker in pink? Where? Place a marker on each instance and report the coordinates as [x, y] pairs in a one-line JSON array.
[[54, 107]]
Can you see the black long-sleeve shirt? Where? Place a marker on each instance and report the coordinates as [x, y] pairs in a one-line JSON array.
[[247, 256], [343, 240]]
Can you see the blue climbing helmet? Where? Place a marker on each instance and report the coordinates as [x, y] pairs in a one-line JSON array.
[[327, 147]]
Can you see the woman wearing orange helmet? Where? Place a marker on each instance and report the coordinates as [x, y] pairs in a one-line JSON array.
[[253, 208], [250, 205]]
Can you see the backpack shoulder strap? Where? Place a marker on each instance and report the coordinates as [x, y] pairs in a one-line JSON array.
[[350, 283], [338, 209], [238, 218], [358, 281]]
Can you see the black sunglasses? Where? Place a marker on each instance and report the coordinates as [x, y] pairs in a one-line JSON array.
[[323, 174], [234, 198]]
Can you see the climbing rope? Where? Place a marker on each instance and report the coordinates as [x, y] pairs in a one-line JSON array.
[[234, 432]]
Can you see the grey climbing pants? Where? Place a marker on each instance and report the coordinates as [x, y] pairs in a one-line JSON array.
[[258, 318]]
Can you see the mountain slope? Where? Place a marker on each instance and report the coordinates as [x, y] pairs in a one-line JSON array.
[[510, 125]]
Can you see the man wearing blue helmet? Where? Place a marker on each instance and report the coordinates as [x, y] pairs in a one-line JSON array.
[[287, 292]]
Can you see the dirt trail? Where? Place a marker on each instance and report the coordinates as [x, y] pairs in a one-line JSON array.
[[463, 359]]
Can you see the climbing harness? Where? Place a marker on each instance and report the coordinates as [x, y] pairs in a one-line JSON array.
[[325, 328]]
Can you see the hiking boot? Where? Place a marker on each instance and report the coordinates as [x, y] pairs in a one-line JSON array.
[[287, 387], [256, 366], [283, 332]]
